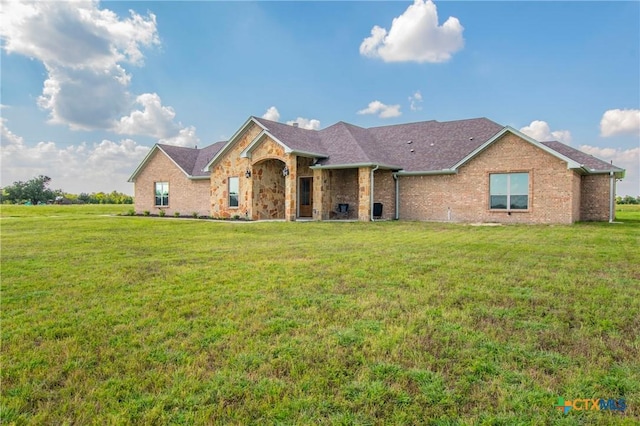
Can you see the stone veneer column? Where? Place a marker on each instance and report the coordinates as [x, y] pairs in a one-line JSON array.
[[291, 186], [364, 194], [321, 195]]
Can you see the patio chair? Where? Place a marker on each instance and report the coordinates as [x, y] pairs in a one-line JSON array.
[[343, 211]]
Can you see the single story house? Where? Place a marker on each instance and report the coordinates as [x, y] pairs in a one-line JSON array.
[[471, 170], [177, 168]]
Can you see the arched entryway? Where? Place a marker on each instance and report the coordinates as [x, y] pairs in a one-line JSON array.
[[268, 189]]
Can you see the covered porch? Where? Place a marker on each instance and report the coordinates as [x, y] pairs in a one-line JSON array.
[[345, 193]]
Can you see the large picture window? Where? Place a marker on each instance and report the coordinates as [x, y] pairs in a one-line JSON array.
[[234, 191], [509, 191], [162, 194]]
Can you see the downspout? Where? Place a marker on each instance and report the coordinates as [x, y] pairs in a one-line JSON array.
[[372, 189], [612, 197], [395, 177]]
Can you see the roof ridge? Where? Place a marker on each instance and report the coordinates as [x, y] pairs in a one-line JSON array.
[[279, 123], [355, 139], [435, 122]]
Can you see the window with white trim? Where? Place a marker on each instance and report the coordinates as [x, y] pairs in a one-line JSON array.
[[509, 191], [162, 194], [234, 191]]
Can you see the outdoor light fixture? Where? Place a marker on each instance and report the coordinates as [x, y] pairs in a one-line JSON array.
[[285, 171], [247, 174]]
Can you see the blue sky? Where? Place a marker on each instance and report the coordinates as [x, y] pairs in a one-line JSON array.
[[88, 87]]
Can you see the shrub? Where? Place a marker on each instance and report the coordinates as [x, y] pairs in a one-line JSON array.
[[146, 213], [131, 212], [176, 214], [236, 217], [161, 213], [195, 215]]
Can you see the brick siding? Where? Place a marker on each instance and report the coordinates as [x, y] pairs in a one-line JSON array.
[[594, 205], [186, 196], [384, 188], [464, 197]]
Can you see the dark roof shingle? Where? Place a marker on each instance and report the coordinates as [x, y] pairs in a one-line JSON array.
[[589, 161], [434, 145], [427, 146], [192, 160]]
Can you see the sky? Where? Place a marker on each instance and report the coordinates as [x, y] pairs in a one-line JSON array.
[[87, 87]]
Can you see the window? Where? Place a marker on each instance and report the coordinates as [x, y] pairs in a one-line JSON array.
[[162, 194], [509, 191], [234, 191]]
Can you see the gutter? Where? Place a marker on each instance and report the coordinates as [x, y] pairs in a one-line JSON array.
[[397, 182], [429, 172], [372, 189], [612, 196], [355, 166]]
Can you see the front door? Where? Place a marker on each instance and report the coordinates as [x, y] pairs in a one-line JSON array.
[[305, 197]]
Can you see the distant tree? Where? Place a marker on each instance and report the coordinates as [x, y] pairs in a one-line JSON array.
[[628, 199], [34, 190], [84, 197], [114, 197]]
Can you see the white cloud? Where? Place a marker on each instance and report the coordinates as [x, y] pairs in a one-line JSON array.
[[87, 167], [8, 139], [84, 99], [157, 121], [415, 101], [272, 114], [185, 137], [540, 131], [415, 36], [382, 110], [628, 159], [620, 121], [76, 34], [84, 50], [305, 123]]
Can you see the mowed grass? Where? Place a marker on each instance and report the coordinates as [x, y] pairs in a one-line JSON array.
[[116, 320]]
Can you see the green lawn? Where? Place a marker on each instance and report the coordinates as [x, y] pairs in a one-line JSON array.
[[117, 319]]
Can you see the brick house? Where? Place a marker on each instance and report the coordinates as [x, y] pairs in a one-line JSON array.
[[463, 171], [172, 178]]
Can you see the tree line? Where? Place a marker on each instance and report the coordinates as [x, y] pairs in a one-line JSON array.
[[36, 191], [628, 199]]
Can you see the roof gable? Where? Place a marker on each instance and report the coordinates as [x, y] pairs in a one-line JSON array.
[[190, 161], [294, 139], [232, 141], [571, 164], [589, 163]]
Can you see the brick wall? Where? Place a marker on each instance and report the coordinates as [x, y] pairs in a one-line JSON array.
[[385, 192], [595, 199], [464, 197], [344, 190], [576, 181], [186, 196]]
